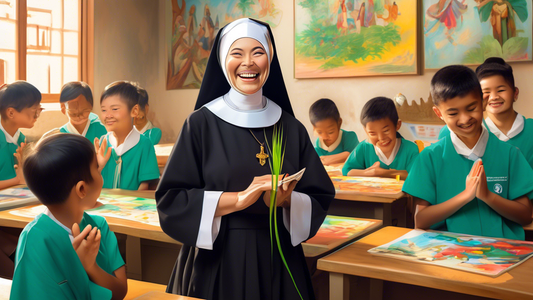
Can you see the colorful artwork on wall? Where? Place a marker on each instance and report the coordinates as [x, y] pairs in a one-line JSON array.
[[469, 31], [345, 38], [482, 255], [191, 27], [136, 209], [371, 186]]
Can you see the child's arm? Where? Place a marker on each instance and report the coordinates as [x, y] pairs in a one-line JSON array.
[[427, 215], [518, 211], [335, 158], [143, 186], [87, 250], [376, 171], [19, 179]]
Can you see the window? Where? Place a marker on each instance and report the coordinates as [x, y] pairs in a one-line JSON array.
[[47, 43]]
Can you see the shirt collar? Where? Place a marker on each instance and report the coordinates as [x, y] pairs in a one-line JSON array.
[[131, 140], [332, 146], [477, 151], [226, 109], [9, 138], [51, 216], [518, 126], [388, 160], [72, 129], [148, 125]]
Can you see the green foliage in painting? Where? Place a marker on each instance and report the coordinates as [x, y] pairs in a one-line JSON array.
[[325, 42], [514, 48]]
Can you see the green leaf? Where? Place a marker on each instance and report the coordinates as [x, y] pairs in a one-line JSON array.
[[277, 155], [491, 47], [520, 7], [515, 48]]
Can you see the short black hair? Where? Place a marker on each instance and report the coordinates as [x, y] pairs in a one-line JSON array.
[[496, 66], [454, 81], [323, 109], [56, 164], [127, 90], [74, 89], [379, 108], [19, 95], [143, 98]]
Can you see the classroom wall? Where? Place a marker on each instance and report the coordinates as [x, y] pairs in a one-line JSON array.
[[130, 44]]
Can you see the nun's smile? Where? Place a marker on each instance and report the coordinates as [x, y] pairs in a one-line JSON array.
[[247, 65]]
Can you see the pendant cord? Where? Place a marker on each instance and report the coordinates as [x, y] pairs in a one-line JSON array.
[[261, 144]]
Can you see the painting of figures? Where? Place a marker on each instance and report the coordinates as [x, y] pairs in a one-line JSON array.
[[191, 28], [344, 38], [469, 31], [482, 255]]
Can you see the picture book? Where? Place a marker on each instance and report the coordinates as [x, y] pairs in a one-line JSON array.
[[14, 197], [481, 255]]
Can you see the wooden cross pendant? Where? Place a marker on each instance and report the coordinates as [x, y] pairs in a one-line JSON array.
[[262, 156]]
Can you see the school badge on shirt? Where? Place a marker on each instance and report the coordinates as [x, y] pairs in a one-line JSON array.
[[497, 187]]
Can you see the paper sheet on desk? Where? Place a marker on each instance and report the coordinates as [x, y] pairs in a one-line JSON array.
[[14, 197]]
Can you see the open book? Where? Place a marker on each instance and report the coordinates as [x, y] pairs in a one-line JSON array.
[[296, 176], [16, 197]]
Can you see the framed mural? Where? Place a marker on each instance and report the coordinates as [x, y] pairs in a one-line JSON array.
[[191, 27], [345, 38], [469, 31]]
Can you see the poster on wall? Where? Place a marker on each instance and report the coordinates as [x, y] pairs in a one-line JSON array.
[[345, 38], [191, 27], [469, 31]]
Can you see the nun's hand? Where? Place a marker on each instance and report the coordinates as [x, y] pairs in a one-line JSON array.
[[248, 197], [283, 196]]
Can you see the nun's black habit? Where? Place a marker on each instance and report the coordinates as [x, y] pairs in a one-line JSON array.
[[214, 155]]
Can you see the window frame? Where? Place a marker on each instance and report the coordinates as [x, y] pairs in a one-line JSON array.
[[85, 45]]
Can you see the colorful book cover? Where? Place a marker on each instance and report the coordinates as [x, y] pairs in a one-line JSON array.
[[335, 229], [481, 255], [14, 197], [368, 185]]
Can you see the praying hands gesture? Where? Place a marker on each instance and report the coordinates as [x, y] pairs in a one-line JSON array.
[[473, 179], [86, 244], [101, 155], [18, 166]]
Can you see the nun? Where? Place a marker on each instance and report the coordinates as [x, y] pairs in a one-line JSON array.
[[214, 192]]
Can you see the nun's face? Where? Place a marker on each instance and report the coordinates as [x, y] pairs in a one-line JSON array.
[[247, 65]]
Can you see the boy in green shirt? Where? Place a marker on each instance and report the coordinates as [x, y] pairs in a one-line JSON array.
[[133, 163], [333, 144], [141, 122], [455, 194], [499, 93], [20, 106], [65, 253], [76, 100], [385, 153]]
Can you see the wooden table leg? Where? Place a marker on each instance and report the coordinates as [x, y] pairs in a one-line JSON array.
[[133, 258], [384, 212], [339, 286], [376, 289]]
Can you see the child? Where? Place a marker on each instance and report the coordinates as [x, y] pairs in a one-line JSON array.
[[76, 101], [489, 198], [500, 93], [385, 153], [133, 163], [333, 144], [141, 122], [53, 261], [20, 106]]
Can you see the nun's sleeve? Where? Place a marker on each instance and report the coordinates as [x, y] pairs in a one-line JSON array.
[[311, 197], [186, 210]]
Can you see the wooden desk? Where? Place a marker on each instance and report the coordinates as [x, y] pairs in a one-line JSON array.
[[162, 152], [355, 260], [142, 290], [381, 200], [135, 231]]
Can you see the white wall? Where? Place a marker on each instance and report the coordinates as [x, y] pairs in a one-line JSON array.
[[130, 44]]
